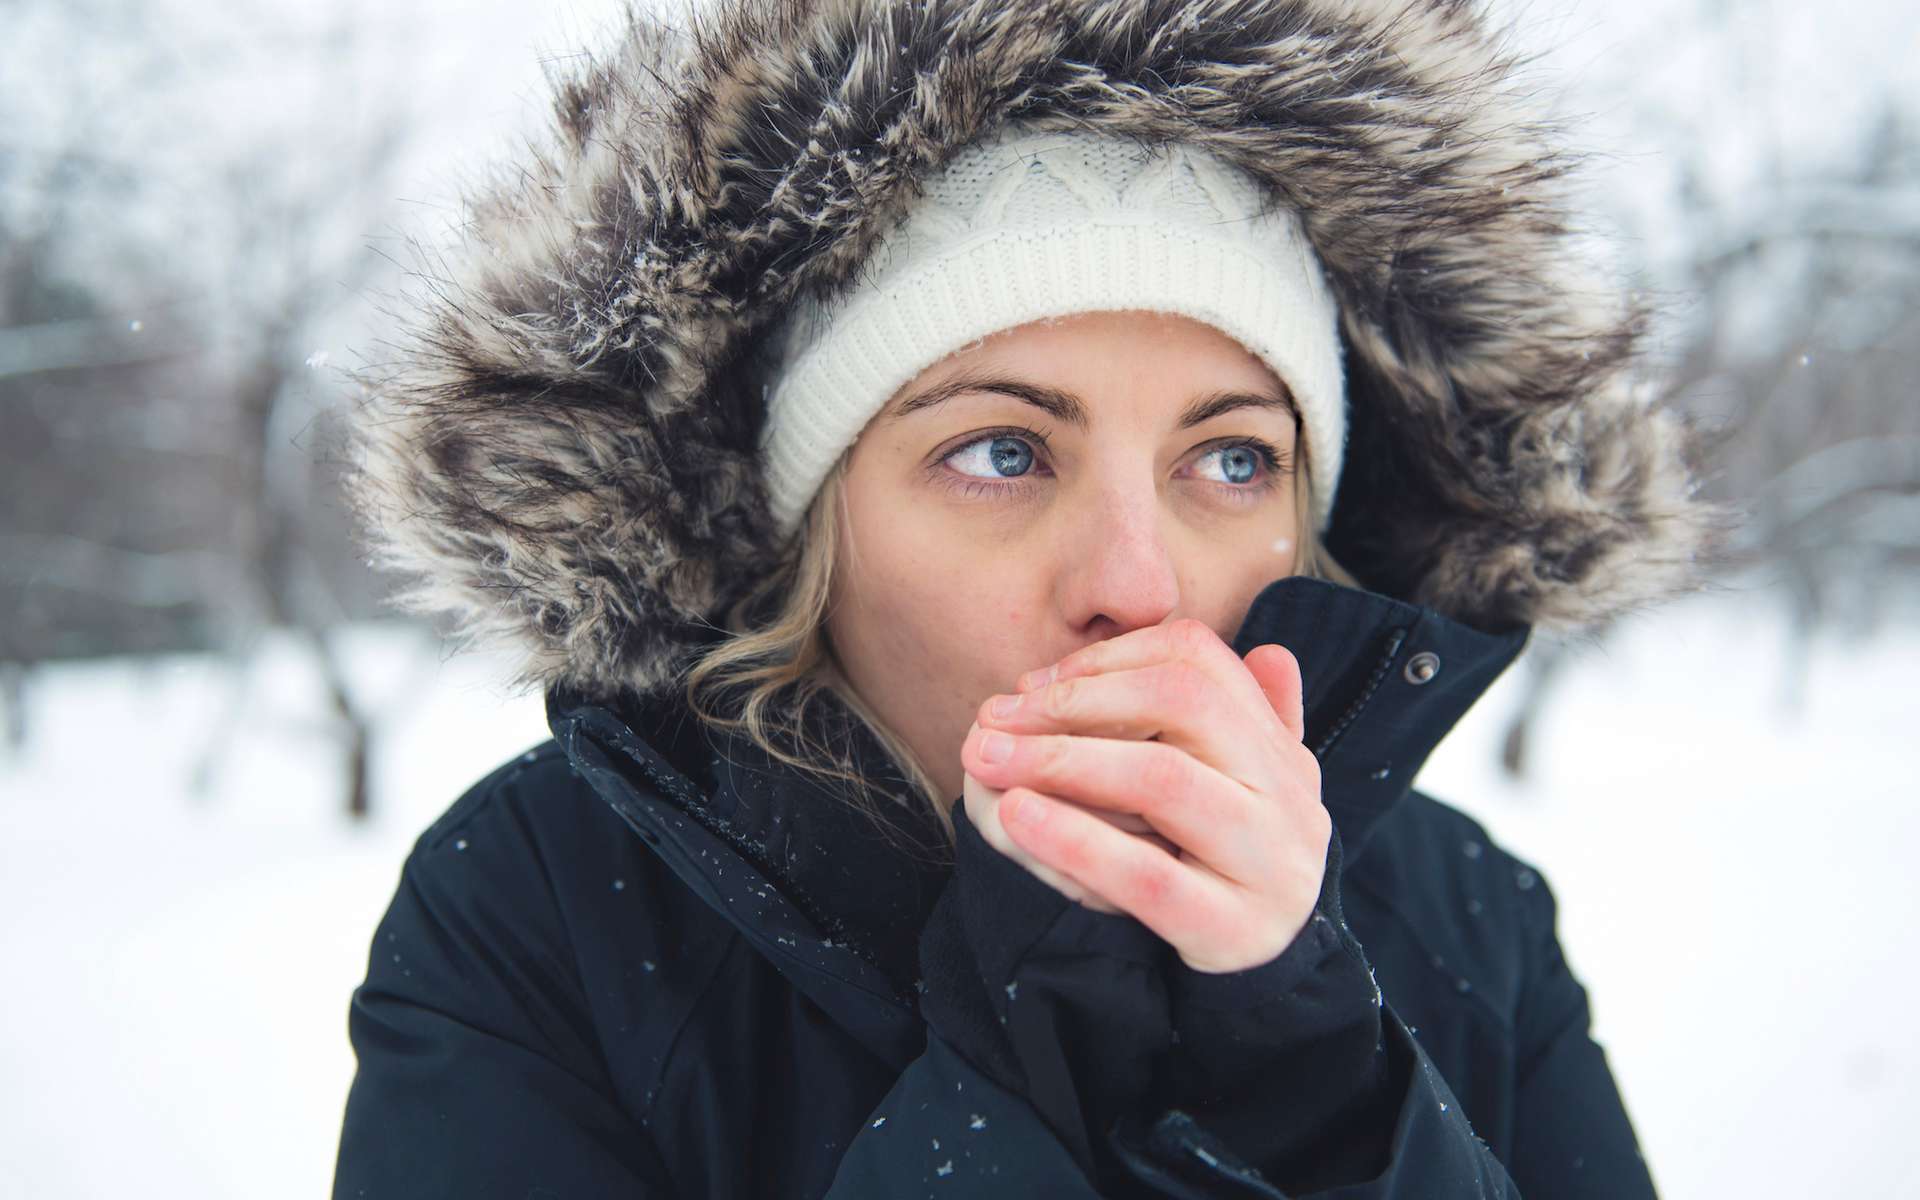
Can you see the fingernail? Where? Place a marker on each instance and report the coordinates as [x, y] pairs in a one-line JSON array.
[[997, 747], [1023, 809], [1038, 678], [1002, 705]]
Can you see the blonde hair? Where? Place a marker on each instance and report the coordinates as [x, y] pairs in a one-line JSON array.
[[779, 661]]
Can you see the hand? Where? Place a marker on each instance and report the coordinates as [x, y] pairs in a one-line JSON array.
[[983, 805], [1163, 727]]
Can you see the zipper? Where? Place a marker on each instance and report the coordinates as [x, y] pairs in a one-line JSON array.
[[1395, 639]]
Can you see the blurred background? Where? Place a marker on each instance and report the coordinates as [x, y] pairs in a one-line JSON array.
[[216, 747]]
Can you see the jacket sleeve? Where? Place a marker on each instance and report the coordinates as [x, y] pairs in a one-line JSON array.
[[1376, 1120], [476, 1072], [1295, 1078], [1047, 1024], [1572, 1135]]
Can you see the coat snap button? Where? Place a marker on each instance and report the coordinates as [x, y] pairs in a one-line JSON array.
[[1422, 667]]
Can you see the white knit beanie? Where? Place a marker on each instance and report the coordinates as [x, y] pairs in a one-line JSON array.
[[1026, 225]]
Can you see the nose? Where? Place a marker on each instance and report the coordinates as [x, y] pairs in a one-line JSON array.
[[1118, 572]]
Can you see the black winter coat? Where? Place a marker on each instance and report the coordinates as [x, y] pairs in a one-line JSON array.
[[638, 962]]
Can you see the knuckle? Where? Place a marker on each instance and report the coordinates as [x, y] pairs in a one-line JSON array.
[[1320, 827], [1190, 635], [1149, 882], [1181, 683], [1204, 644], [1051, 757], [1168, 774], [1084, 661], [1061, 697], [1310, 771], [1069, 848]]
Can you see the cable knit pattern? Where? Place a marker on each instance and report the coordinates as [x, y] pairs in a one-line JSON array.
[[1028, 225]]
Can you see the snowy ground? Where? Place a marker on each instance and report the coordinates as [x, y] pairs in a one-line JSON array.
[[1734, 880]]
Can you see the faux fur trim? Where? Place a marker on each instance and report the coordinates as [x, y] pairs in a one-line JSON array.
[[562, 453]]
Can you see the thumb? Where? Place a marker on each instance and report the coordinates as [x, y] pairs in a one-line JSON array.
[[1277, 671]]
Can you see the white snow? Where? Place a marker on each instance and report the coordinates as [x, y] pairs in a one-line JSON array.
[[178, 965], [1733, 862]]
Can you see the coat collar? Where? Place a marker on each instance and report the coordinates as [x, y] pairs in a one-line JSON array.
[[1384, 680], [838, 907]]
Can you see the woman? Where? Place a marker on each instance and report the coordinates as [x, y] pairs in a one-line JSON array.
[[1213, 379]]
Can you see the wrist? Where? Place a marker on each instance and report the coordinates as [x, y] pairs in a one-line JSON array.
[[1248, 988]]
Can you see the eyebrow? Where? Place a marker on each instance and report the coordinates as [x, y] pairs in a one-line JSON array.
[[1067, 407]]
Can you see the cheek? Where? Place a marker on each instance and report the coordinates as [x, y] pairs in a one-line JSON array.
[[1223, 572], [941, 608], [921, 601]]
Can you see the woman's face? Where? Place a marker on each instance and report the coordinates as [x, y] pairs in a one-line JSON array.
[[986, 534]]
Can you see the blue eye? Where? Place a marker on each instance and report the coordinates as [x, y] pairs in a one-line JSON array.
[[1237, 462], [1004, 463], [1011, 456]]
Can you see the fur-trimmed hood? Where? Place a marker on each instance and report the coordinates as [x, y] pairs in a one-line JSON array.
[[562, 451]]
